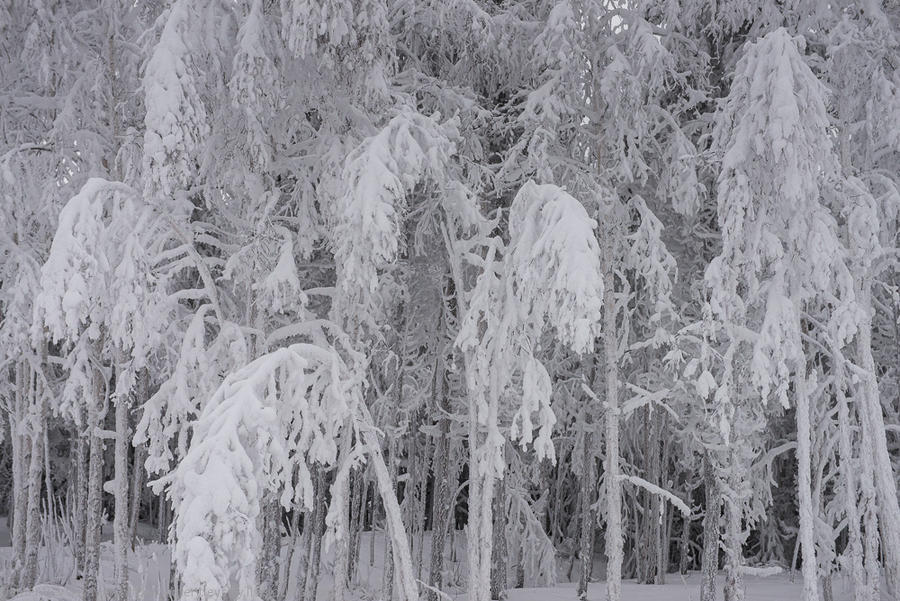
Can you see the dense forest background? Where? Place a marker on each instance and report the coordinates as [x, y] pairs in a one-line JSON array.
[[553, 290]]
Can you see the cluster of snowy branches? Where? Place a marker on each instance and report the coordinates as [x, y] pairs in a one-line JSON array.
[[499, 275]]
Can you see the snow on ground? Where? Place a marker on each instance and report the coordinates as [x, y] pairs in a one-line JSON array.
[[773, 588]]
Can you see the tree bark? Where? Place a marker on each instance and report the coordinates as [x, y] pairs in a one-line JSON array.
[[586, 490], [37, 424], [804, 483], [315, 550], [358, 505], [21, 450], [734, 580], [293, 538], [121, 533], [82, 458], [885, 482], [499, 569], [854, 551], [710, 560], [685, 546], [441, 509], [269, 560], [96, 408], [614, 539], [137, 487], [35, 470], [341, 527]]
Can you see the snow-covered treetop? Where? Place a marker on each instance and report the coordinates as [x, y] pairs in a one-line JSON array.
[[779, 243], [554, 264], [98, 284], [549, 277], [176, 121], [379, 174]]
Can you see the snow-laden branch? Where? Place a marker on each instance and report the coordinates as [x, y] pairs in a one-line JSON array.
[[656, 490], [262, 429]]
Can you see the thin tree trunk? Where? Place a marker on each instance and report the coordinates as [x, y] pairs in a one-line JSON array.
[[666, 515], [373, 514], [315, 550], [94, 498], [423, 508], [162, 522], [137, 486], [402, 558], [710, 560], [586, 542], [357, 504], [854, 550], [685, 546], [885, 482], [499, 568], [284, 583], [869, 507], [341, 527], [121, 534], [387, 582], [614, 539], [82, 459], [21, 450], [804, 484], [137, 465], [306, 544], [441, 509], [654, 540], [734, 580], [269, 560], [35, 470]]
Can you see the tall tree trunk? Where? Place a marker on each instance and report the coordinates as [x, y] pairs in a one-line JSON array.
[[734, 580], [422, 503], [666, 513], [137, 487], [21, 451], [614, 538], [137, 464], [121, 534], [341, 526], [870, 508], [499, 568], [402, 558], [357, 507], [96, 408], [373, 515], [293, 537], [35, 470], [854, 551], [654, 517], [387, 583], [804, 484], [885, 482], [82, 459], [710, 559], [306, 544], [315, 550], [586, 490], [269, 560], [685, 546], [162, 519], [441, 508]]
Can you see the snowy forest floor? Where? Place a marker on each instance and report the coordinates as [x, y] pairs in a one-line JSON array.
[[149, 575]]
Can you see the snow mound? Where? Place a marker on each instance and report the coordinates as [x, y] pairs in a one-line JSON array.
[[47, 592]]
